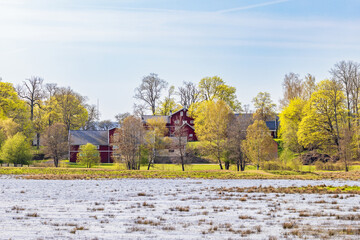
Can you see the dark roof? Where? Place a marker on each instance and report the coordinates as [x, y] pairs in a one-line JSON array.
[[272, 125], [93, 137]]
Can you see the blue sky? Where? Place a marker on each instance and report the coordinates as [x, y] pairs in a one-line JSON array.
[[103, 48]]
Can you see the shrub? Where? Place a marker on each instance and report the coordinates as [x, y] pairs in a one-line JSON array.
[[271, 165], [16, 150], [328, 166], [88, 155]]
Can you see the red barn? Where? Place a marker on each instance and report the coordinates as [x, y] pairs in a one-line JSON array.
[[179, 118], [101, 139]]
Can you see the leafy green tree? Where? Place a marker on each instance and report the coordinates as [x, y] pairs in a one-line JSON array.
[[16, 150], [211, 127], [259, 144], [214, 88], [290, 119], [8, 128], [323, 117], [11, 106], [88, 155], [70, 108], [265, 108]]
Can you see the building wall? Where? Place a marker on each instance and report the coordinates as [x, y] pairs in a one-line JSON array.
[[104, 150]]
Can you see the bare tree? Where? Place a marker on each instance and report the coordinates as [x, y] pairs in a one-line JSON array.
[[265, 108], [56, 142], [345, 149], [32, 92], [236, 134], [345, 73], [139, 110], [106, 125], [120, 117], [150, 89], [188, 93], [179, 141], [309, 86], [93, 117], [127, 141], [292, 86]]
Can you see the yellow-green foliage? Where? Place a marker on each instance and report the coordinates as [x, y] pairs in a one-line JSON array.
[[88, 155], [16, 150], [322, 116], [290, 118], [259, 144]]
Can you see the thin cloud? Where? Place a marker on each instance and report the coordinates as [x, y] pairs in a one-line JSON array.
[[252, 6]]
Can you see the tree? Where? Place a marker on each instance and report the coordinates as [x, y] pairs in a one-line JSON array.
[[128, 140], [92, 117], [32, 92], [56, 142], [88, 155], [12, 107], [70, 108], [346, 73], [293, 88], [106, 125], [39, 123], [259, 143], [8, 128], [265, 108], [346, 150], [236, 134], [168, 105], [211, 127], [16, 150], [120, 117], [189, 94], [290, 118], [214, 88], [179, 141], [155, 137], [50, 91], [309, 86], [323, 116], [149, 90]]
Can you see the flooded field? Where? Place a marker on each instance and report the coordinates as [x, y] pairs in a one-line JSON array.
[[173, 209]]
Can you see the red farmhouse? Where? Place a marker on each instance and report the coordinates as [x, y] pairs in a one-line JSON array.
[[179, 118], [101, 139]]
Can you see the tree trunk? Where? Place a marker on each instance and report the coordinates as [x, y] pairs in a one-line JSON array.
[[37, 141], [227, 165], [221, 167], [238, 165], [56, 161]]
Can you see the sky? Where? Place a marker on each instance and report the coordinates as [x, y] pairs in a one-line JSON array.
[[103, 48]]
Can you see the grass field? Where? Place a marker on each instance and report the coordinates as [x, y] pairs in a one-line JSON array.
[[168, 171]]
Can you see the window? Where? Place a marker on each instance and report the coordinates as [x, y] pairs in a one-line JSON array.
[[190, 135], [184, 121], [171, 150], [181, 114], [187, 114], [97, 147], [192, 121], [176, 121]]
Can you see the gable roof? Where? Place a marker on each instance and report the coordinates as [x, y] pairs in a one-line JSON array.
[[93, 137]]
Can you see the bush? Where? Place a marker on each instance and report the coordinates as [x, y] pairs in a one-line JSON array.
[[16, 150], [328, 166], [271, 165], [88, 155]]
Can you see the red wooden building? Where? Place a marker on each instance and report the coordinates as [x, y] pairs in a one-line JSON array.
[[101, 139], [179, 119]]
